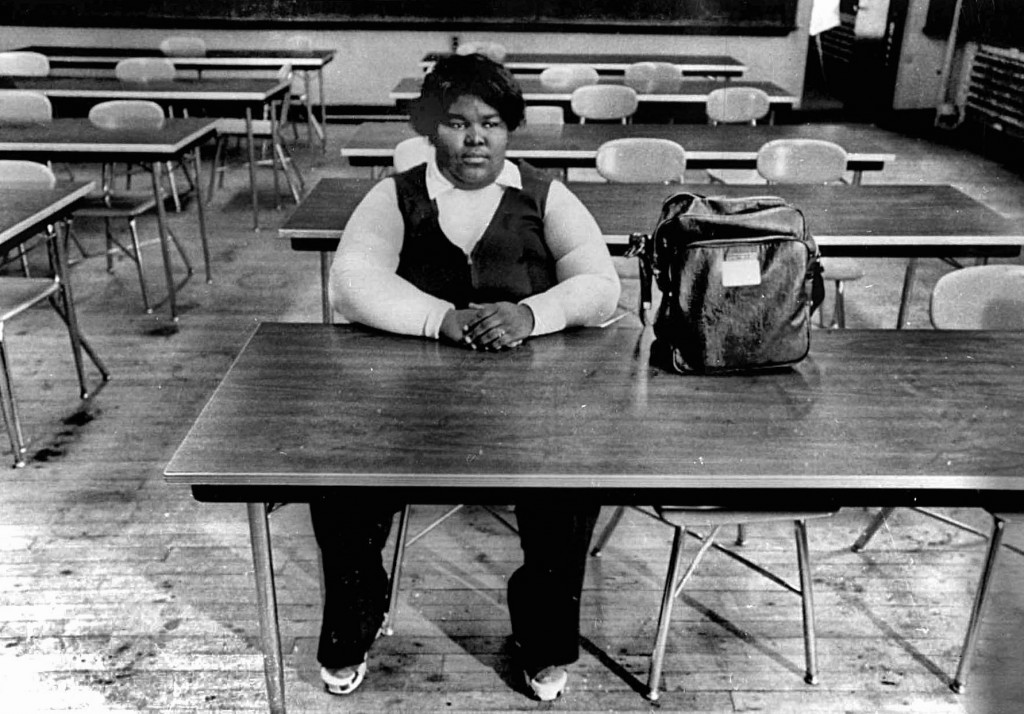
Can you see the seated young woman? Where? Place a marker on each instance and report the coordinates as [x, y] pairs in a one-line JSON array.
[[484, 254]]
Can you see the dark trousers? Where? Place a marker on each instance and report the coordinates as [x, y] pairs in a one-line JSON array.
[[543, 594]]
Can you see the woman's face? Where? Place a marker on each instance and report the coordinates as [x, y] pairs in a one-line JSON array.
[[470, 143]]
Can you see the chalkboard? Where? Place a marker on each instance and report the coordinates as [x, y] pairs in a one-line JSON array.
[[742, 17]]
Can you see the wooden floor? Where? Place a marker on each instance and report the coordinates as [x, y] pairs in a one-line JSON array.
[[119, 593]]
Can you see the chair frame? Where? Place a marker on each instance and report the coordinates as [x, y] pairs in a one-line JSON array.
[[714, 519]]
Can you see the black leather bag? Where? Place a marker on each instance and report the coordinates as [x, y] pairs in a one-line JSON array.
[[739, 278]]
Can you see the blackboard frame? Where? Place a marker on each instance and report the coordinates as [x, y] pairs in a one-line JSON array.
[[682, 17]]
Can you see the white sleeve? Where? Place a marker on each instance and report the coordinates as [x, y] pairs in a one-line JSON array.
[[588, 286], [363, 285]]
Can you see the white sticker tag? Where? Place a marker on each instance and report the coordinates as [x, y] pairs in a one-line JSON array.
[[741, 267]]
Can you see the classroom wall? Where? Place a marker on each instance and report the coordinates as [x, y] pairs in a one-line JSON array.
[[370, 62]]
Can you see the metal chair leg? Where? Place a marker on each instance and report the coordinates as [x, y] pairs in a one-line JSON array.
[[872, 528], [9, 407], [959, 683], [606, 534], [664, 616], [388, 628]]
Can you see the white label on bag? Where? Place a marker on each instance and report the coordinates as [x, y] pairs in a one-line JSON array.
[[741, 267]]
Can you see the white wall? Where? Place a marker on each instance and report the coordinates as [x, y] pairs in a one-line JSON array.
[[370, 62]]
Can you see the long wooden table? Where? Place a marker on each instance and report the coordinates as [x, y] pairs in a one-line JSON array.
[[869, 418], [575, 145], [24, 214], [691, 92], [78, 139], [688, 64], [873, 221], [106, 58]]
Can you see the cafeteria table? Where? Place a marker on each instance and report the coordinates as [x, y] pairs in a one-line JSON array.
[[26, 213], [536, 62], [566, 146], [246, 92], [77, 139], [235, 60], [869, 221], [871, 417]]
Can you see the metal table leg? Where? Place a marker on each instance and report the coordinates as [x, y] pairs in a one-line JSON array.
[[327, 314], [266, 602]]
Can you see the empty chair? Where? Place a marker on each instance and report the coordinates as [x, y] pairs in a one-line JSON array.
[[653, 77], [183, 46], [492, 50], [17, 63], [145, 69], [737, 105], [24, 106], [641, 160], [18, 294], [812, 161], [412, 152], [682, 519], [568, 76], [267, 129], [604, 102], [980, 297], [139, 115], [543, 114], [302, 88]]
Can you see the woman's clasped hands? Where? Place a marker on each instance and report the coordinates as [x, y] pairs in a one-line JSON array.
[[489, 326]]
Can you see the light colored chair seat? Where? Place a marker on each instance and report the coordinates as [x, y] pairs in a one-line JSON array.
[[145, 69], [568, 77], [736, 105], [980, 297], [604, 102], [24, 106], [543, 114], [18, 63], [183, 46], [491, 50], [641, 160], [653, 77]]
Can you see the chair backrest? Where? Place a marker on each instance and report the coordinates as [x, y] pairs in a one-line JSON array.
[[980, 297], [25, 174], [568, 76], [183, 46], [544, 114], [801, 161], [17, 63], [412, 152], [24, 106], [127, 114], [653, 77], [300, 43], [492, 50], [144, 69], [604, 101], [641, 160], [737, 105]]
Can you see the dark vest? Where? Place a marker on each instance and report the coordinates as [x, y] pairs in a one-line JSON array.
[[510, 262]]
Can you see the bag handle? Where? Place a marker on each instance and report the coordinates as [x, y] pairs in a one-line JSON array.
[[642, 247]]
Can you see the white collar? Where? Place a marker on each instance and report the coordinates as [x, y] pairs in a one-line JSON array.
[[437, 183]]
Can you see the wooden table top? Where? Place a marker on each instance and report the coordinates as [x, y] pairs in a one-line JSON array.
[[691, 91], [24, 211], [108, 57], [873, 220], [234, 89], [721, 65], [707, 146], [79, 138], [882, 411]]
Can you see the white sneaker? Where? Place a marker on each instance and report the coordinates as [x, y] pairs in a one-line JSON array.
[[548, 683], [344, 680]]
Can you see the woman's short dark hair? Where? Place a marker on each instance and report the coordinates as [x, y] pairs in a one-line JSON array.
[[461, 75]]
